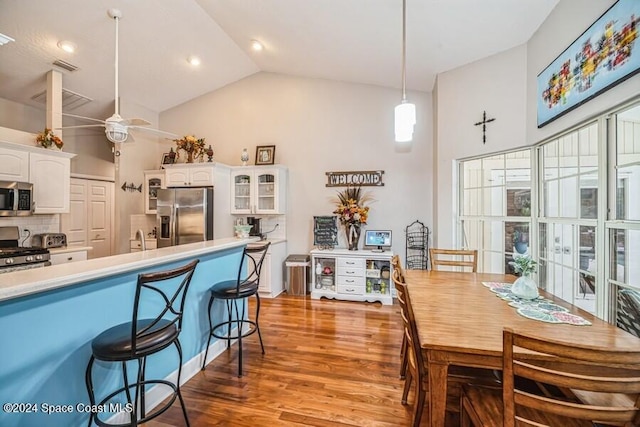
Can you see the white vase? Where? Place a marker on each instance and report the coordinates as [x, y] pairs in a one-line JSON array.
[[525, 287]]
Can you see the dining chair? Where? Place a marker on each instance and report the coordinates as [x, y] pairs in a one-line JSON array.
[[454, 258], [398, 276], [417, 366], [604, 382], [628, 311]]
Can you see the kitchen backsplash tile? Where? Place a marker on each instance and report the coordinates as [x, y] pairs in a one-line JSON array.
[[36, 224]]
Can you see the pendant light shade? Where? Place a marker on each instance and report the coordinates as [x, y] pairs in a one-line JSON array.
[[405, 119], [405, 112]]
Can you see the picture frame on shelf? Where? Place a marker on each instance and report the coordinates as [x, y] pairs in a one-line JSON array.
[[166, 160], [599, 59], [265, 154]]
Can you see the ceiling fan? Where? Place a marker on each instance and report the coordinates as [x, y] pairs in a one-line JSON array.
[[117, 128]]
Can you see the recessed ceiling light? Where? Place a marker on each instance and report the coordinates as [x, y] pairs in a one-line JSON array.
[[67, 46], [193, 60], [5, 39], [256, 45]]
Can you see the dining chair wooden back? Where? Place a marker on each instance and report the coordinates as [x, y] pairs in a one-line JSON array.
[[397, 267], [604, 383], [454, 258], [415, 366]]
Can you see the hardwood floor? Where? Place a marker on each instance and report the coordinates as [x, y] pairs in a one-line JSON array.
[[327, 363]]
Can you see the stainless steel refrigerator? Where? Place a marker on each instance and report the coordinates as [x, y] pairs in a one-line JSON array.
[[185, 215]]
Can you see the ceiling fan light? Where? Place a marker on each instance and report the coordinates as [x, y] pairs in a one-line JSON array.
[[405, 119], [116, 136]]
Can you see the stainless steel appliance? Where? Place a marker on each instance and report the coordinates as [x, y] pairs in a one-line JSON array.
[[14, 257], [185, 215], [16, 198], [49, 240]]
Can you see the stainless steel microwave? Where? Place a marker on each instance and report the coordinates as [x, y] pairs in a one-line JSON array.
[[16, 198]]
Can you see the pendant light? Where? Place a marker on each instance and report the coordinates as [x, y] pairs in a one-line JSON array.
[[405, 112]]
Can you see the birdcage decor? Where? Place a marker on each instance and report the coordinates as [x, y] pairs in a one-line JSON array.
[[417, 247]]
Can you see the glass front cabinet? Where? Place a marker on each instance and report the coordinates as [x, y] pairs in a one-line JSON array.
[[258, 190], [153, 181], [352, 275]]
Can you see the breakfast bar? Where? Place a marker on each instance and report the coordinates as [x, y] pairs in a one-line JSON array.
[[48, 317]]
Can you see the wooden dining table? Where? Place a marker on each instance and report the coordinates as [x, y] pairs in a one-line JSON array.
[[460, 322]]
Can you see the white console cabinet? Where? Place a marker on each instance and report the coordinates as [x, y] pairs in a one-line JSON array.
[[352, 275]]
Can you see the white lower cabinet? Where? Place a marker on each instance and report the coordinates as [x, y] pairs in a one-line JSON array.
[[136, 246], [67, 257], [352, 275], [272, 274]]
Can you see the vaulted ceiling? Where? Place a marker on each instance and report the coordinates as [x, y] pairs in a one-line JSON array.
[[347, 40]]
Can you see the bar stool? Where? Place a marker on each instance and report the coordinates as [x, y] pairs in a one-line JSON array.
[[143, 337], [234, 291]]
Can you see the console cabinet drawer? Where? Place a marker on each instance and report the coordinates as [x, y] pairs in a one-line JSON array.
[[351, 263], [351, 289]]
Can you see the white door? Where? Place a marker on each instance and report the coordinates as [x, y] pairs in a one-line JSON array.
[[90, 218], [74, 224], [100, 196]]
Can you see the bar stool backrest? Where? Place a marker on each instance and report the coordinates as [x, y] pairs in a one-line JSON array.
[[252, 259], [171, 288]]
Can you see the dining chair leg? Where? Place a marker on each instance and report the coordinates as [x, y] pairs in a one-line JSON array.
[[421, 397], [407, 386], [403, 357]]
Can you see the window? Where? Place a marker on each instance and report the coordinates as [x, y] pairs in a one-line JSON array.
[[496, 208]]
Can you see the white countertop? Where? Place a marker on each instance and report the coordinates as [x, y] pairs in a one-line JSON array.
[[68, 249], [26, 282]]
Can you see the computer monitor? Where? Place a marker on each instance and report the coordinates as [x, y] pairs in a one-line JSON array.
[[380, 239]]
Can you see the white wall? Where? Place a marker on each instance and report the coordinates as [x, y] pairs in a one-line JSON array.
[[319, 126], [496, 85]]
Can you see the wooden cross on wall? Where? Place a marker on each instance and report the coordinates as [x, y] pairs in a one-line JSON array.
[[484, 126]]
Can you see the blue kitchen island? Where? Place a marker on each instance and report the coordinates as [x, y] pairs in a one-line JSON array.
[[48, 317]]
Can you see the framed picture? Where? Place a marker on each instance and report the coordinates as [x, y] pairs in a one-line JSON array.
[[606, 54], [166, 159], [265, 154]]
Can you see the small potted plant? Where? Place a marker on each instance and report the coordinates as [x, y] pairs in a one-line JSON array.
[[47, 139], [524, 287]]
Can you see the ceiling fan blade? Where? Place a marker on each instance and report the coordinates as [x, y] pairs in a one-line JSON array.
[[152, 130], [134, 122], [82, 117], [81, 126]]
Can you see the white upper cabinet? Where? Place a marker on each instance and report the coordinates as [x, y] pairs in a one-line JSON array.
[[48, 170], [189, 175], [51, 179], [14, 165], [259, 190]]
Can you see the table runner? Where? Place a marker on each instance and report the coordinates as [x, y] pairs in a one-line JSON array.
[[541, 309]]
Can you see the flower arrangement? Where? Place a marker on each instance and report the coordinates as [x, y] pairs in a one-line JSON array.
[[350, 206], [523, 264], [47, 139], [194, 147]]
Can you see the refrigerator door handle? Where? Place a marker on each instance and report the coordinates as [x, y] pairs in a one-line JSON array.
[[174, 214]]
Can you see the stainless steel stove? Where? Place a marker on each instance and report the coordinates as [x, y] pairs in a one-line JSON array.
[[14, 257]]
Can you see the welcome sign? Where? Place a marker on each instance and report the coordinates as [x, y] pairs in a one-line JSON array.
[[355, 178]]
